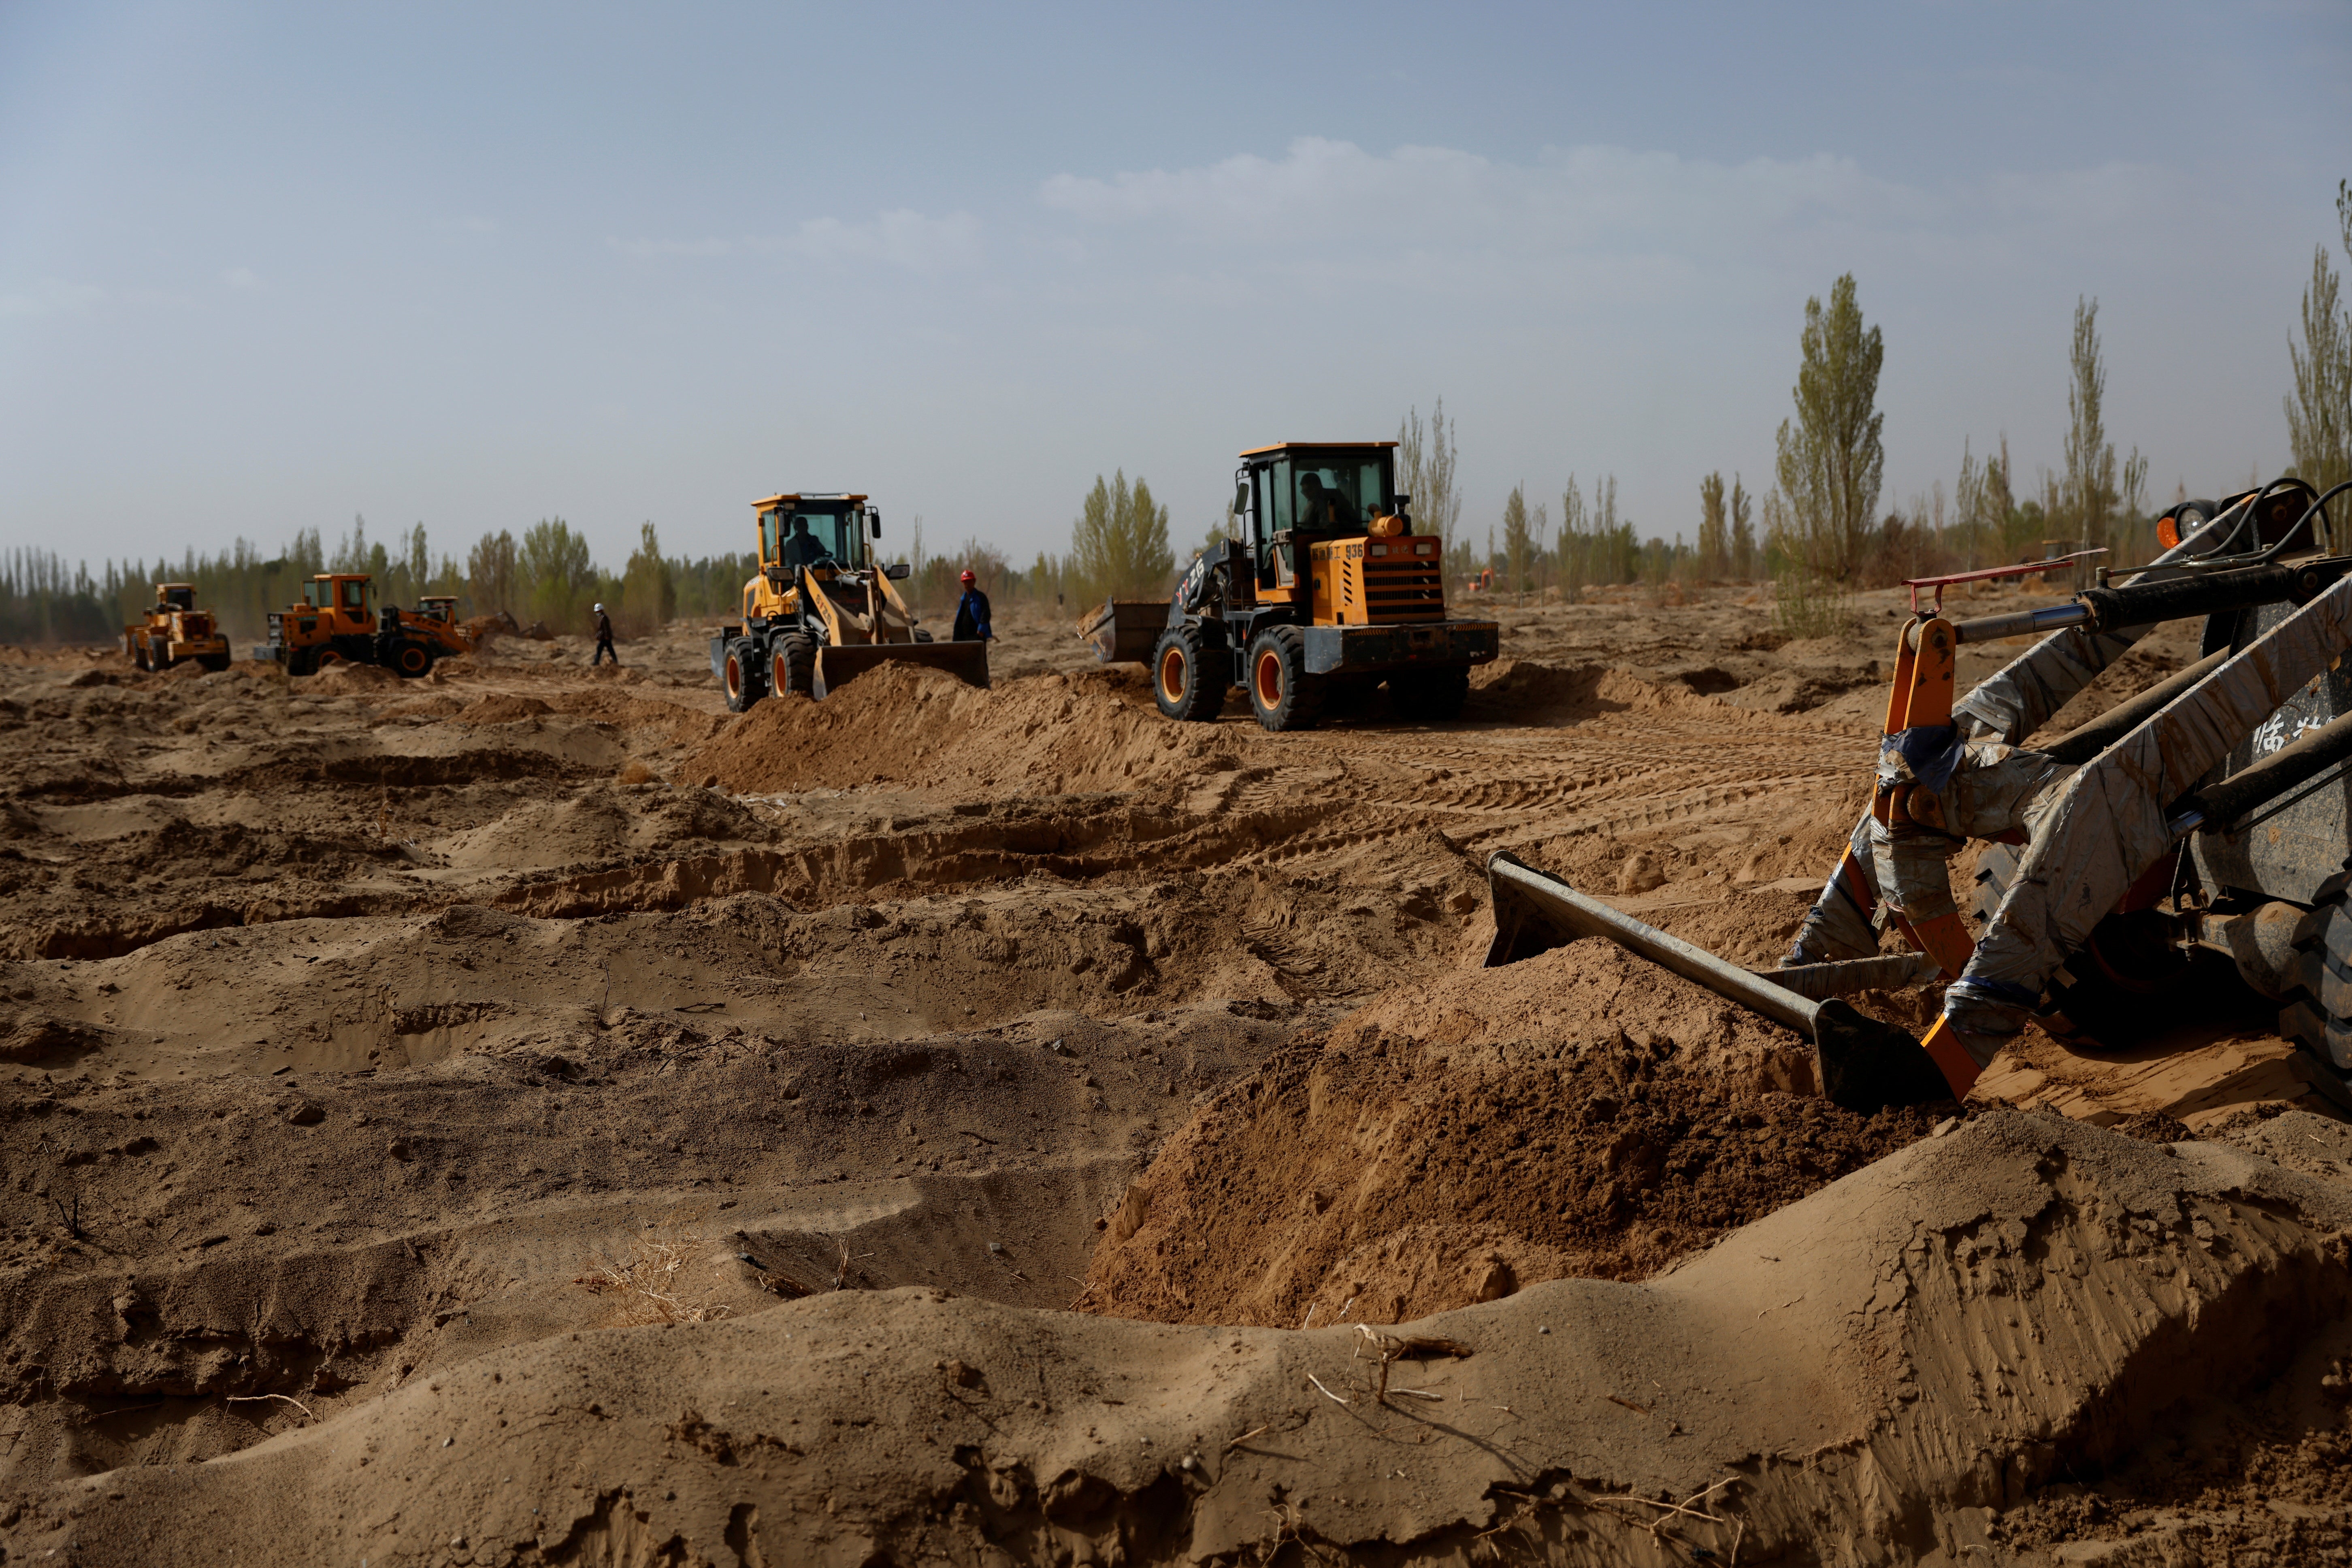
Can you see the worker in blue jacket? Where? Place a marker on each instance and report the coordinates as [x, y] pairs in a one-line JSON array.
[[971, 614]]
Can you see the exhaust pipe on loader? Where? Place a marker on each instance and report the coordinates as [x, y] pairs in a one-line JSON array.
[[1859, 1063]]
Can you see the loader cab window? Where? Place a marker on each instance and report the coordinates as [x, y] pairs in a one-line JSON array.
[[1273, 511], [770, 523], [354, 597], [180, 598], [1274, 494], [1340, 495], [825, 538]]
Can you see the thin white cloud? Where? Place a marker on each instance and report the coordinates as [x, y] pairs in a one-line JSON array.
[[1436, 211], [241, 278], [901, 238], [51, 297], [655, 249]]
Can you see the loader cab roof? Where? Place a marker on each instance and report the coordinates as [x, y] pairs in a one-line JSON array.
[[1257, 455], [175, 595]]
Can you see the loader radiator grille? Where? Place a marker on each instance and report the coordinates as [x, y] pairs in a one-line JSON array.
[[1412, 589]]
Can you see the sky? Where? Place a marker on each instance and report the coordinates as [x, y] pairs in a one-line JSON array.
[[266, 268]]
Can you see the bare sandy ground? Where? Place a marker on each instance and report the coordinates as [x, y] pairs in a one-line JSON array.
[[529, 1115]]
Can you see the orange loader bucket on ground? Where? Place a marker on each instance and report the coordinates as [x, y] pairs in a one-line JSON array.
[[837, 667]]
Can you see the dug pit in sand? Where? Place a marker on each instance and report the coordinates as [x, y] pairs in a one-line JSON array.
[[1864, 1377]]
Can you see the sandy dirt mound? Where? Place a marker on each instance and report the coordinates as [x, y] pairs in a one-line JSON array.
[[1052, 735], [1571, 1115], [1862, 1378]]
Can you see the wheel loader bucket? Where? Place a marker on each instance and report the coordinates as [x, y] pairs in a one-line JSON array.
[[837, 667], [1859, 1063], [1122, 631]]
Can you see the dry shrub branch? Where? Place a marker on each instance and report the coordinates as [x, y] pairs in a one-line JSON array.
[[650, 1284]]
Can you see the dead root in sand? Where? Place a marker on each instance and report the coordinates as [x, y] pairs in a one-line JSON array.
[[1390, 1349], [648, 1285]]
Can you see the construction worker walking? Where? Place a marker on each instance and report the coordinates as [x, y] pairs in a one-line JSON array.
[[605, 639], [971, 613]]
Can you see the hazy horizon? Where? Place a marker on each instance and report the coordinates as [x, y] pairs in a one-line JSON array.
[[264, 269]]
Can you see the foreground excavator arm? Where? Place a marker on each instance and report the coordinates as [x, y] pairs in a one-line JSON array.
[[2098, 810]]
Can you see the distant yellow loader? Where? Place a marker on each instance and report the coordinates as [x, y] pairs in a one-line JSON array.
[[822, 610], [176, 630]]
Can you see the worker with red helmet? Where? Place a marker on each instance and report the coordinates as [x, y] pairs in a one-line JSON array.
[[971, 613]]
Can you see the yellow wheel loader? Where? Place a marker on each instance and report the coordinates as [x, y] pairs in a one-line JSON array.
[[2187, 853], [1329, 594], [176, 630], [822, 610], [338, 623]]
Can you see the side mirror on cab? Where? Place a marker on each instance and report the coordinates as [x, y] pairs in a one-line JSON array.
[[898, 571], [874, 521], [1241, 498]]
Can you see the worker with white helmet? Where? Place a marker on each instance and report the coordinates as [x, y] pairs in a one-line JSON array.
[[604, 638]]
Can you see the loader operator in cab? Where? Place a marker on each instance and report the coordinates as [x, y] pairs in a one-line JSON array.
[[971, 613], [1322, 510], [803, 547]]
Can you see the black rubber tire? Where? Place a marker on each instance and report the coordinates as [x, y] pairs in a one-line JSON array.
[[216, 662], [410, 660], [138, 648], [1282, 693], [1429, 696], [159, 656], [2318, 1008], [739, 679], [303, 661], [791, 665], [1181, 681]]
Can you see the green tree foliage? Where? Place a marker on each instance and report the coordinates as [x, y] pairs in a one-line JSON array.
[[1226, 527], [1805, 604], [1831, 458], [1714, 528], [2091, 503], [556, 575], [1743, 533], [1424, 471], [44, 600], [2319, 414], [1118, 546], [649, 588], [1518, 543], [494, 575]]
